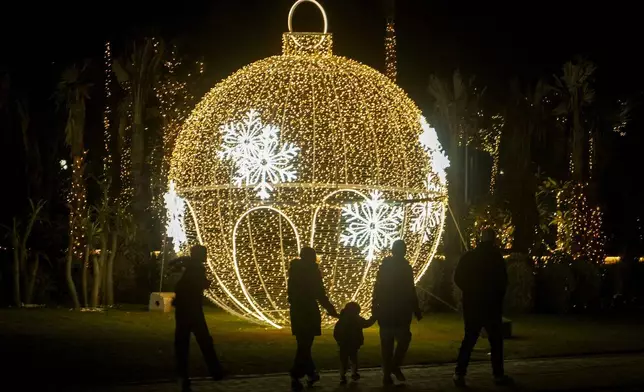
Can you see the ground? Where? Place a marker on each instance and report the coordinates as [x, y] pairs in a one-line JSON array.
[[124, 346], [595, 373]]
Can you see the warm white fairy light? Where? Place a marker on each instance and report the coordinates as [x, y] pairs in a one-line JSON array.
[[371, 225], [356, 134], [175, 209]]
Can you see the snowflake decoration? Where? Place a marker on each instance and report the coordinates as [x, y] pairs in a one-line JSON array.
[[371, 225], [257, 154], [175, 209], [425, 214], [431, 145]]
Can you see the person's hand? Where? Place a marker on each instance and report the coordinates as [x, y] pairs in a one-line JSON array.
[[419, 315], [334, 314]]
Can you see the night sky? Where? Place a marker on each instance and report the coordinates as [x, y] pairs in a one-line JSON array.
[[493, 40]]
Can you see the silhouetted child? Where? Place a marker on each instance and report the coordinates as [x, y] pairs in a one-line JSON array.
[[348, 333]]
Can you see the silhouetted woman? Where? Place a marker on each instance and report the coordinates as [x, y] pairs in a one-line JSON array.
[[305, 291]]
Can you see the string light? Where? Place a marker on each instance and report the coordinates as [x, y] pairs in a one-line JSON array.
[[591, 153], [175, 102], [357, 134], [580, 230], [107, 160], [78, 210], [390, 50], [491, 142]]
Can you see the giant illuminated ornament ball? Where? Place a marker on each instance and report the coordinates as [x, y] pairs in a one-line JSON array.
[[305, 149]]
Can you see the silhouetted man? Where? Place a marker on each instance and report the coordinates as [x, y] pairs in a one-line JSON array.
[[394, 303], [305, 291], [482, 277], [190, 318]]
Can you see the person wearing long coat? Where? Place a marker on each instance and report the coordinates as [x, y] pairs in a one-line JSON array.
[[305, 292]]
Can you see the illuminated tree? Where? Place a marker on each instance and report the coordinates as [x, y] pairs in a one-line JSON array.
[[390, 40], [527, 120], [576, 93], [138, 74], [73, 91]]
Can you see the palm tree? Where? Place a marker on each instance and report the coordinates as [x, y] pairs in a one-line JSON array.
[[526, 122], [73, 92], [576, 94], [455, 112], [138, 74]]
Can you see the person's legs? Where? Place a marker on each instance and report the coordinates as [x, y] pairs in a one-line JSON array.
[[344, 362], [353, 357], [472, 331], [204, 339], [387, 349], [303, 363], [403, 339], [181, 350], [494, 330]]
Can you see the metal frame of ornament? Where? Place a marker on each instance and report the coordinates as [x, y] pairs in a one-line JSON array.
[[260, 313], [256, 314], [290, 18]]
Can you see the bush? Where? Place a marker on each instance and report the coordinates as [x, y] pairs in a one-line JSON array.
[[520, 294], [555, 284]]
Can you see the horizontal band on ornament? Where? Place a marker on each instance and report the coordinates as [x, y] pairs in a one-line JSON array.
[[432, 195]]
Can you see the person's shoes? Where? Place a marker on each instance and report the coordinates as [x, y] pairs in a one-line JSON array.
[[343, 379], [503, 381], [459, 380], [355, 376], [184, 384], [312, 379], [387, 380], [219, 375], [296, 385], [399, 375]]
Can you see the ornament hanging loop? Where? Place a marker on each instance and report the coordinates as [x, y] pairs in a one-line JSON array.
[[298, 2]]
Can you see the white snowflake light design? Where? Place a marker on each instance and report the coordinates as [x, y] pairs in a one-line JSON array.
[[429, 141], [425, 214], [371, 225], [175, 208], [257, 154]]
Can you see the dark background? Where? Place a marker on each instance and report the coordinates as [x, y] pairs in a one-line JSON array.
[[493, 40]]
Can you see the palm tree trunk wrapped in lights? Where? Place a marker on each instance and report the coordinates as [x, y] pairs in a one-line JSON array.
[[72, 92], [580, 220]]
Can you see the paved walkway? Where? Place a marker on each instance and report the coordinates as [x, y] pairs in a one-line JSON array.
[[623, 372]]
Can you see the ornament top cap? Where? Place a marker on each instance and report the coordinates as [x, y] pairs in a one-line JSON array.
[[295, 43]]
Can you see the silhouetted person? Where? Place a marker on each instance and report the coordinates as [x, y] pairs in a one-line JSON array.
[[349, 336], [482, 277], [394, 303], [190, 318], [305, 291]]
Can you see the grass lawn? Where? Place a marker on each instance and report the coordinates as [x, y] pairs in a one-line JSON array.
[[61, 346]]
